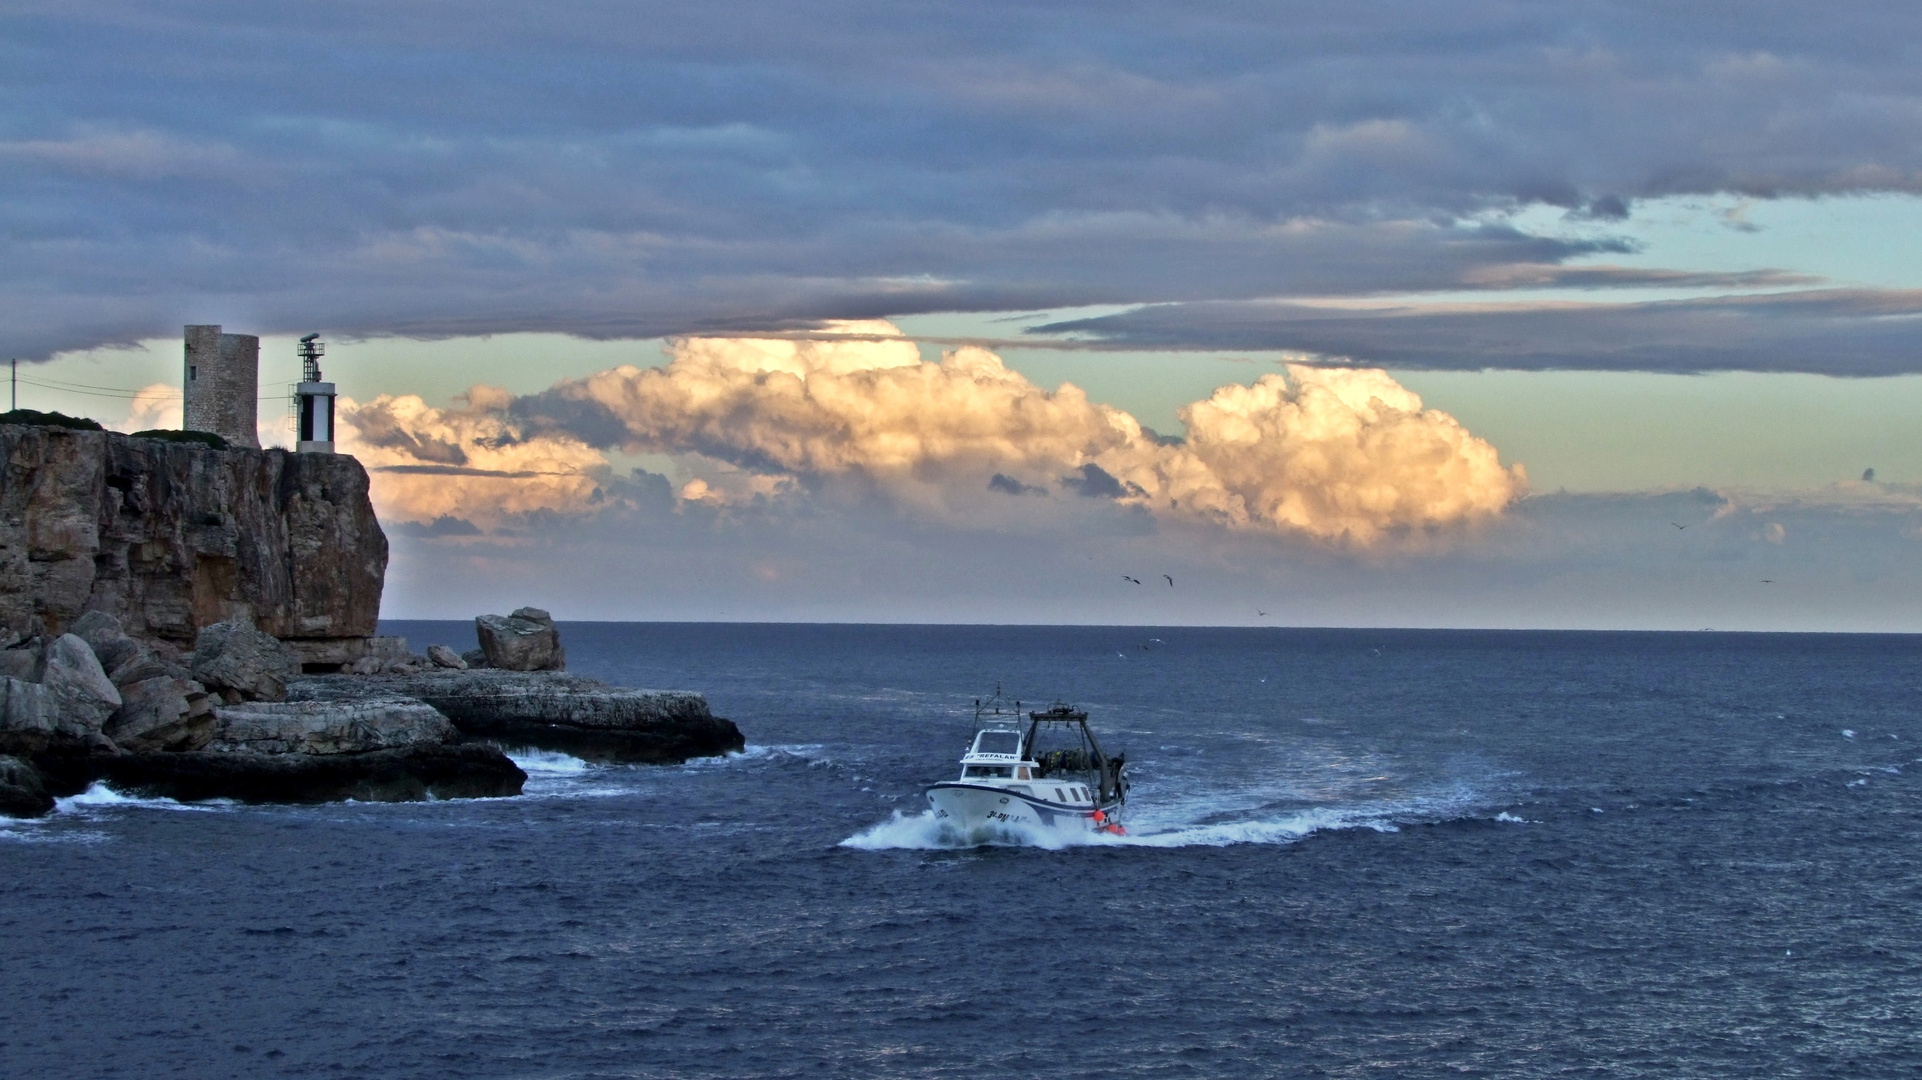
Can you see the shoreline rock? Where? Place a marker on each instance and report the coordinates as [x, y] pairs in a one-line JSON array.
[[404, 774], [67, 725], [551, 711], [23, 793], [527, 640]]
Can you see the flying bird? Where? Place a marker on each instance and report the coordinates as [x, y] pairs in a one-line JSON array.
[[1171, 581], [1125, 577], [1768, 581], [1261, 613], [1684, 528]]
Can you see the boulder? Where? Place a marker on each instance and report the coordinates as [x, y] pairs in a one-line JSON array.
[[23, 661], [475, 658], [110, 644], [242, 663], [523, 641], [22, 793], [80, 691], [328, 727], [442, 656], [29, 721], [161, 713], [554, 711]]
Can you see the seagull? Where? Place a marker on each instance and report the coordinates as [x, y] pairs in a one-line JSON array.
[[1768, 581], [1261, 613], [1125, 577], [1171, 581], [1684, 528]]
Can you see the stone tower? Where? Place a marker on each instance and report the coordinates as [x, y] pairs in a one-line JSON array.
[[222, 385]]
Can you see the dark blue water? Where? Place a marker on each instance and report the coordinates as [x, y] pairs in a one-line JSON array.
[[1354, 853]]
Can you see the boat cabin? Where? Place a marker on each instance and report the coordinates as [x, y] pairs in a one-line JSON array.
[[996, 755], [999, 754]]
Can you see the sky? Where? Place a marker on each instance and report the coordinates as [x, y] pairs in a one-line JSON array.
[[1500, 314]]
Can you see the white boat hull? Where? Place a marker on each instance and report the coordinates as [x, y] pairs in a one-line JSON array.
[[983, 808]]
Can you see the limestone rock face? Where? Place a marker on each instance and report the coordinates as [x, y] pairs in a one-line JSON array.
[[523, 641], [23, 661], [80, 691], [442, 656], [328, 727], [170, 537], [29, 721], [554, 711], [161, 713], [22, 793], [243, 663]]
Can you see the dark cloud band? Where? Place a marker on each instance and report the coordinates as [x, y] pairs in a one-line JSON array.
[[742, 165], [1828, 332]]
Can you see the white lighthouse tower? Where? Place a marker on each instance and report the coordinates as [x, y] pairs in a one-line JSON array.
[[313, 402]]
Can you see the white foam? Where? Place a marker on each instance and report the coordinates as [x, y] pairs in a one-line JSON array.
[[924, 832], [1511, 819], [99, 796], [547, 763], [1848, 733]]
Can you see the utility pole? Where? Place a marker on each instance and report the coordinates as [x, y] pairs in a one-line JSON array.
[[16, 385]]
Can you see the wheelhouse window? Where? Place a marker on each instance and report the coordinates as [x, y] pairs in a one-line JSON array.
[[998, 742], [990, 771]]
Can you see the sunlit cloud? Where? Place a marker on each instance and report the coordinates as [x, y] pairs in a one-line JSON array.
[[1337, 455]]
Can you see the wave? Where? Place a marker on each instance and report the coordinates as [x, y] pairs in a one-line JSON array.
[[754, 754], [924, 832], [547, 763], [99, 796]]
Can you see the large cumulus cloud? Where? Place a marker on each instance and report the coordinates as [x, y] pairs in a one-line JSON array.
[[1325, 453], [742, 164]]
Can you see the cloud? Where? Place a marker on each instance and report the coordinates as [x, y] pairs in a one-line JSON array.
[[1327, 454], [156, 405], [443, 170], [1094, 482], [437, 528], [1008, 485], [1826, 331], [408, 446]]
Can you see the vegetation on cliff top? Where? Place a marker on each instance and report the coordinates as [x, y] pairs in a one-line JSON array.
[[179, 436], [36, 418]]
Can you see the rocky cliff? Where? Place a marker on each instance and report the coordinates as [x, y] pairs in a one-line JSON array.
[[170, 537], [550, 710]]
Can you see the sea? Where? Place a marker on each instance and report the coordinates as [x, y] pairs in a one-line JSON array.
[[1349, 853]]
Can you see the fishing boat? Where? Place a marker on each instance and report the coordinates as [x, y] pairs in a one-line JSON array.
[[1043, 772]]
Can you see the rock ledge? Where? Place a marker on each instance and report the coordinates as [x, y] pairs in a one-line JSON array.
[[552, 711]]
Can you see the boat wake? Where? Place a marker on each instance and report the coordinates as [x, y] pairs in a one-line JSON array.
[[924, 832]]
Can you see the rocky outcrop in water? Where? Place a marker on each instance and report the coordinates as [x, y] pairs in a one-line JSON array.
[[151, 728], [170, 537], [374, 749], [328, 727], [405, 774], [552, 710], [524, 641], [22, 793]]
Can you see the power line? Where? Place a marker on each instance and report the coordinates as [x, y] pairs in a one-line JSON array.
[[123, 392]]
